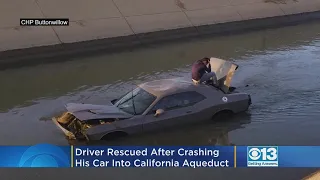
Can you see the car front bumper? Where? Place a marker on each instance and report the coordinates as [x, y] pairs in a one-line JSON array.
[[69, 134]]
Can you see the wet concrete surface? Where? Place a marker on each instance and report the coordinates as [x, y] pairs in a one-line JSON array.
[[280, 67]]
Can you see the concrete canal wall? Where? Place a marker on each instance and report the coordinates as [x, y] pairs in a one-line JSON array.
[[101, 25], [313, 176]]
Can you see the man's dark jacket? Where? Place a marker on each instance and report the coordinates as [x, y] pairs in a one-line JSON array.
[[199, 69]]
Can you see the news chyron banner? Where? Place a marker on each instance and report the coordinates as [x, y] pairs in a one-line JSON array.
[[46, 155], [166, 156]]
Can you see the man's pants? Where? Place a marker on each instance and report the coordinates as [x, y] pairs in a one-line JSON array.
[[208, 77]]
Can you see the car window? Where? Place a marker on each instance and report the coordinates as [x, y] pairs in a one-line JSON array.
[[179, 100], [136, 101]]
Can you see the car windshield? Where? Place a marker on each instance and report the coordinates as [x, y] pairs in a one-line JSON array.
[[136, 101]]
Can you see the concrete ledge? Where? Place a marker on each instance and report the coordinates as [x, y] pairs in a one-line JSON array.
[[68, 51]]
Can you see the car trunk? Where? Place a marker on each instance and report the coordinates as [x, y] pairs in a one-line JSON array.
[[224, 71]]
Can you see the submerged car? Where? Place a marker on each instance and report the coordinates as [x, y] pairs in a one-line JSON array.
[[155, 105]]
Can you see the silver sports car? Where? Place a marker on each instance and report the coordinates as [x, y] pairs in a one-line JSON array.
[[154, 106]]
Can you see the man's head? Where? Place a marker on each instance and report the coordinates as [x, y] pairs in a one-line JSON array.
[[205, 60]]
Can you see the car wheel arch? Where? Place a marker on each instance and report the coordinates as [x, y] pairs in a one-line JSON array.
[[114, 135], [222, 114]]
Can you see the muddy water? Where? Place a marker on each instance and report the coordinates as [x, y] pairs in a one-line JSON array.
[[280, 67]]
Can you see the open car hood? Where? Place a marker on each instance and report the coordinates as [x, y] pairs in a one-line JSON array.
[[91, 111], [224, 71]]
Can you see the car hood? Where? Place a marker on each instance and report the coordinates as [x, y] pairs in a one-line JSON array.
[[224, 71], [90, 111]]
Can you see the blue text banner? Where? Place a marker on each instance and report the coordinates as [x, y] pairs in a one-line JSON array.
[[47, 155], [159, 156]]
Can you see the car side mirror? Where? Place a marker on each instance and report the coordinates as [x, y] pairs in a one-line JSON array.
[[158, 112]]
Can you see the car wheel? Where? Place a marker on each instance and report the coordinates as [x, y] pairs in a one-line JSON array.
[[222, 115], [114, 136]]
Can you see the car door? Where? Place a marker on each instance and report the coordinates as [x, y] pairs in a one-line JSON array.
[[131, 126], [178, 110]]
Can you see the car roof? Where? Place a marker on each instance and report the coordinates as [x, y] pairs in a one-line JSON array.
[[165, 87]]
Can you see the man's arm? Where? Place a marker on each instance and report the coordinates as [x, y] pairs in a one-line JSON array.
[[208, 68]]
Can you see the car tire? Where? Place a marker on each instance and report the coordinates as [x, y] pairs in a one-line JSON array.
[[114, 136], [222, 115]]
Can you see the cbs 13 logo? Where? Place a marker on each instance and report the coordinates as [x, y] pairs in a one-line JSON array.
[[263, 153]]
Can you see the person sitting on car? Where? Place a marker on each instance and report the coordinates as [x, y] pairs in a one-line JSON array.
[[201, 72]]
